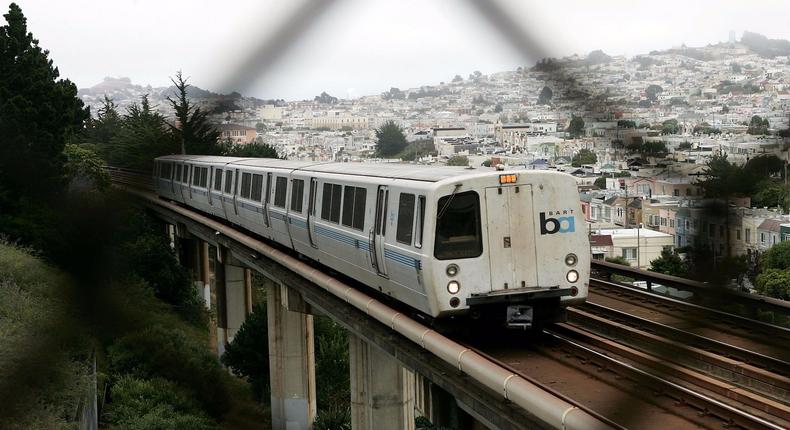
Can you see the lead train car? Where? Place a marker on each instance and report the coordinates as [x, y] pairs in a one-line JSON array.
[[446, 241]]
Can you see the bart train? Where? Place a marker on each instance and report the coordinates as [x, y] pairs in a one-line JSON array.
[[446, 241]]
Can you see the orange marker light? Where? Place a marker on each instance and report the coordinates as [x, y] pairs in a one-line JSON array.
[[507, 179]]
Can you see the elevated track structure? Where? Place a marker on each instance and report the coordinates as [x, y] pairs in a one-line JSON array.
[[627, 359]]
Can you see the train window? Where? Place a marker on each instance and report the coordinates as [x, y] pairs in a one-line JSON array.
[[178, 172], [458, 227], [404, 230], [195, 175], [330, 202], [420, 222], [228, 181], [186, 174], [218, 179], [354, 207], [246, 185], [203, 177], [166, 170], [297, 195], [257, 187], [280, 191]]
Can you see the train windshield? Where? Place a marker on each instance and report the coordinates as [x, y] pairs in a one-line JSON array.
[[458, 229]]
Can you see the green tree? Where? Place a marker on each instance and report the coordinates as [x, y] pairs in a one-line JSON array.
[[458, 160], [458, 78], [626, 123], [774, 283], [654, 148], [669, 263], [771, 193], [777, 257], [253, 150], [39, 113], [325, 98], [652, 91], [670, 126], [83, 166], [192, 129], [103, 128], [758, 125], [142, 136], [584, 156], [600, 183], [723, 181], [260, 127], [545, 96], [248, 354], [576, 127], [390, 139]]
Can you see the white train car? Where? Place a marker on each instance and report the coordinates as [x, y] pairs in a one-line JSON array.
[[443, 240]]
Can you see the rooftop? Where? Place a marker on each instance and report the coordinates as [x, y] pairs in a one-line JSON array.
[[627, 233]]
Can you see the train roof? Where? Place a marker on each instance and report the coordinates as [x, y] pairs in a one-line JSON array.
[[413, 172]]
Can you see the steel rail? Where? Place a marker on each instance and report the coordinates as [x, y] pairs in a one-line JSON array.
[[704, 399], [722, 348], [701, 288], [638, 291], [554, 411]]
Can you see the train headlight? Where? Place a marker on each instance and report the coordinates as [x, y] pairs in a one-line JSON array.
[[572, 276], [571, 259], [453, 287], [452, 270]]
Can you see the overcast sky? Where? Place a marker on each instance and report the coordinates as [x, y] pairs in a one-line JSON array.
[[359, 47]]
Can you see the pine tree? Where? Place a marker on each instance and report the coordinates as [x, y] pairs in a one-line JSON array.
[[38, 113], [192, 128], [142, 136], [107, 123], [390, 139]]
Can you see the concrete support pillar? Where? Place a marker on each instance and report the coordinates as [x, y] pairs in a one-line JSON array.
[[291, 363], [382, 391], [203, 269], [248, 290], [235, 300]]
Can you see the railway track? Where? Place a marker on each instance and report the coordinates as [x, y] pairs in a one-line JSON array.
[[755, 336], [599, 376]]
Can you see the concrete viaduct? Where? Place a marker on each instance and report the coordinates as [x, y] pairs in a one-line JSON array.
[[397, 365]]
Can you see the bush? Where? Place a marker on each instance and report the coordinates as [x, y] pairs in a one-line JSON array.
[[618, 260], [171, 354], [334, 418], [458, 160], [156, 403], [149, 256], [333, 384]]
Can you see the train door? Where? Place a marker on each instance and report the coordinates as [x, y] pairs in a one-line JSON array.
[[266, 200], [190, 173], [379, 231], [311, 212], [511, 237], [210, 185], [235, 192], [226, 194]]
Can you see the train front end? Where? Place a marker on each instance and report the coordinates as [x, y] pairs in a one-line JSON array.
[[532, 254]]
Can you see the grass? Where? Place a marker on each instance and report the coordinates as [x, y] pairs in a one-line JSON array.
[[43, 365]]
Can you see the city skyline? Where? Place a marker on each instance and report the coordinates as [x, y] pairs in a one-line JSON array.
[[371, 46]]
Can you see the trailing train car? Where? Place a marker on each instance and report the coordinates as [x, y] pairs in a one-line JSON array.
[[444, 240]]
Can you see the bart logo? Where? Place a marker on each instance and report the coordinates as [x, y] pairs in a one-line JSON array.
[[564, 224]]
